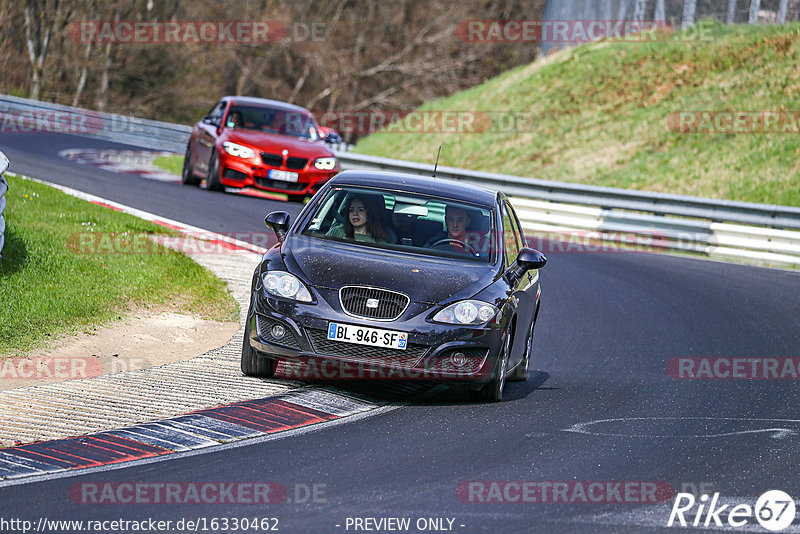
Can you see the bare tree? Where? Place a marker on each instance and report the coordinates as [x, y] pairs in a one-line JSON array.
[[755, 7], [40, 23], [689, 8], [661, 12], [731, 12], [639, 9], [624, 6], [784, 6]]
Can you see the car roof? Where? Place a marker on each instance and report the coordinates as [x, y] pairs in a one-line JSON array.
[[264, 102], [411, 183]]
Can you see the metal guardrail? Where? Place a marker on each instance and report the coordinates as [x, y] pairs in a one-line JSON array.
[[46, 116], [590, 217], [604, 197], [145, 133], [721, 228], [3, 189]]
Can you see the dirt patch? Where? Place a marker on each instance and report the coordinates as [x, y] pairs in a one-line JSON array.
[[140, 341]]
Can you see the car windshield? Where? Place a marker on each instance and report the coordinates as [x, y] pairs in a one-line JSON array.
[[404, 222], [272, 120]]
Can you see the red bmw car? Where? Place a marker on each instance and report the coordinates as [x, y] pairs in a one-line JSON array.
[[255, 142]]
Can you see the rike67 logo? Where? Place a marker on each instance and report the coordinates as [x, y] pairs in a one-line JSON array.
[[774, 510]]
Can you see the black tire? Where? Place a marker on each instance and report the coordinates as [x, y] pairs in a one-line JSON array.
[[493, 391], [520, 373], [212, 179], [297, 198], [254, 364], [187, 176]]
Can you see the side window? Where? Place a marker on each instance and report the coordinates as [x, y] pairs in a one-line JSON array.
[[517, 227], [215, 115], [510, 238]]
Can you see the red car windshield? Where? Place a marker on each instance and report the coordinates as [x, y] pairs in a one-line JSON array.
[[277, 121]]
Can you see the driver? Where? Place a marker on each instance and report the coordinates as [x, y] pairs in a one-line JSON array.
[[235, 120], [456, 220]]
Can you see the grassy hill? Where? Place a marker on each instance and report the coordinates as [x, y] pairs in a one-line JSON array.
[[607, 114]]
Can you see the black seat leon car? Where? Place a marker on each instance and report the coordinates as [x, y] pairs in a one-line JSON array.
[[443, 289]]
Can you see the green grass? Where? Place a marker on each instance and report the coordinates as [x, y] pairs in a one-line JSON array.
[[598, 115], [173, 164], [47, 289]]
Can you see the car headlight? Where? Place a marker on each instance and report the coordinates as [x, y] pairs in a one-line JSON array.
[[285, 285], [325, 164], [470, 312], [239, 151]]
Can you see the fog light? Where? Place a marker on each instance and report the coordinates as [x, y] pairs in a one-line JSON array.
[[278, 331], [458, 359]]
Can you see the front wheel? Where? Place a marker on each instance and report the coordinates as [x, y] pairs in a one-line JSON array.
[[187, 175], [252, 363], [212, 179], [493, 391], [520, 373]]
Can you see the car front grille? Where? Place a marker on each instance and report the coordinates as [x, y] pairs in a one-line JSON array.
[[373, 303], [279, 184], [273, 160], [296, 163], [276, 160], [405, 359]]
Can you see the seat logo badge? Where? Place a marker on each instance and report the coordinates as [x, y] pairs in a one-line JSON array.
[[372, 303]]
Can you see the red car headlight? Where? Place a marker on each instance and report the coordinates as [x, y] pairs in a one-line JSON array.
[[325, 164], [239, 151]]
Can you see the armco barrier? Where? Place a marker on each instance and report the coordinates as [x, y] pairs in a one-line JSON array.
[[45, 116], [762, 233], [3, 189], [720, 228]]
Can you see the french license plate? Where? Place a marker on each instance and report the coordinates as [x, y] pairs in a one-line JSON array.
[[285, 176], [364, 335]]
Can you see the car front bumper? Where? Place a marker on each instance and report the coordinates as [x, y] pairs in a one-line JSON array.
[[435, 352], [240, 172]]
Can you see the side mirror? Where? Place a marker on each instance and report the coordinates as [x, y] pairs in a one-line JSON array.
[[333, 138], [278, 221], [531, 259]]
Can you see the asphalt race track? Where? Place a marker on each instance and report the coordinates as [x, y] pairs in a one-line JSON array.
[[601, 407]]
